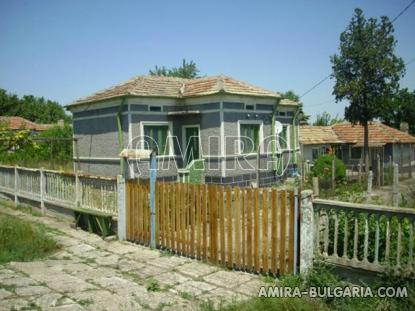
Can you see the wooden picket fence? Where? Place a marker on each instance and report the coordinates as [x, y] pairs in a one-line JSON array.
[[241, 228]]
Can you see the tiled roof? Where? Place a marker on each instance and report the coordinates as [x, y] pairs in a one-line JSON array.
[[315, 135], [288, 102], [155, 86], [379, 134], [17, 123]]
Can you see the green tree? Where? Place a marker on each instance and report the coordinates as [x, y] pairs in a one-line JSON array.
[[400, 108], [291, 95], [36, 109], [325, 119], [187, 70], [366, 70]]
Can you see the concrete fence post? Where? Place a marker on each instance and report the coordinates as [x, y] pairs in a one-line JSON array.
[[16, 185], [42, 191], [316, 187], [395, 186], [369, 183], [306, 232], [333, 176], [121, 204], [77, 191]]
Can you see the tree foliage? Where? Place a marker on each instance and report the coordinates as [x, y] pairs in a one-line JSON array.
[[187, 70], [366, 70], [36, 109], [325, 119], [291, 95], [400, 108]]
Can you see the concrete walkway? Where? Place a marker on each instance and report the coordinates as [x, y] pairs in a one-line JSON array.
[[89, 273]]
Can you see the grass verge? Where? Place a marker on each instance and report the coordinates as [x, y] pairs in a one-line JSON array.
[[23, 241]]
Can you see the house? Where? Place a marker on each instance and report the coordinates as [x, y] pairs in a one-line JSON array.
[[19, 123], [346, 141], [387, 142], [316, 141], [218, 120]]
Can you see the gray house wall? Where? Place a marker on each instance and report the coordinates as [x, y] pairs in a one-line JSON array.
[[95, 125]]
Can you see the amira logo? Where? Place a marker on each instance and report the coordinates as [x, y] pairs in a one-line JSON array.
[[242, 153]]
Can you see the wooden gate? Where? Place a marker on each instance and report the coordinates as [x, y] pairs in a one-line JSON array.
[[241, 228]]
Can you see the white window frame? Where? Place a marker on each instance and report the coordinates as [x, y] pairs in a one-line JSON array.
[[261, 135], [169, 134]]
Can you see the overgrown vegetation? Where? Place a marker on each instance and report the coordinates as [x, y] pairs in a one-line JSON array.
[[323, 169], [22, 241], [51, 148], [323, 276]]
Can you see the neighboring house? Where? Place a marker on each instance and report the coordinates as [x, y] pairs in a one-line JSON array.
[[316, 141], [19, 123], [219, 119], [387, 142]]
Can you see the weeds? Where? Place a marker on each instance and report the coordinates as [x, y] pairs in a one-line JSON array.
[[153, 285]]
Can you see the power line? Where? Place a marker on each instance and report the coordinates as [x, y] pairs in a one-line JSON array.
[[403, 11], [396, 17], [410, 62]]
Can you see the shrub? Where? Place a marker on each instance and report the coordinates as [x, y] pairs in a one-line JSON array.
[[322, 168]]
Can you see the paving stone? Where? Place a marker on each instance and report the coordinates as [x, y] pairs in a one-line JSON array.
[[222, 296], [97, 272], [4, 294], [148, 271], [14, 304], [52, 300], [196, 269], [104, 300], [69, 307], [156, 300], [77, 268], [32, 290], [227, 279], [187, 306], [169, 261], [171, 278], [143, 255], [126, 265], [121, 248], [111, 260], [112, 282], [80, 249], [250, 288], [18, 281], [195, 288], [66, 286]]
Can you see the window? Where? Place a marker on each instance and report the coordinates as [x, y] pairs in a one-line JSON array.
[[156, 138], [249, 107], [316, 153], [356, 153], [290, 113], [249, 135], [284, 138], [282, 113], [155, 108]]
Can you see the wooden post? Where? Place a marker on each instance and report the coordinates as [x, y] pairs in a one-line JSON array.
[[395, 186], [153, 176], [42, 191], [333, 175], [16, 178], [258, 162], [315, 187], [378, 170]]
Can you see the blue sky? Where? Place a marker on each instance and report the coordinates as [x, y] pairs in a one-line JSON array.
[[63, 50]]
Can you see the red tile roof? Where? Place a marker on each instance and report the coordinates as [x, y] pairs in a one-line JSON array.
[[379, 134], [156, 86], [315, 135], [17, 123]]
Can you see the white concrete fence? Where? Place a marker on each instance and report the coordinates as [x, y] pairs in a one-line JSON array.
[[67, 190]]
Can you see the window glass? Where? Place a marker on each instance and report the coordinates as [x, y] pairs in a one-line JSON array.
[[249, 138], [156, 138], [356, 152]]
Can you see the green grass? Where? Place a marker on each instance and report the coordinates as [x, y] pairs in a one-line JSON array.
[[22, 241], [322, 276], [153, 285]]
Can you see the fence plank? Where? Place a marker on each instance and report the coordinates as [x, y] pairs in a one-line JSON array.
[[291, 233], [249, 229], [229, 224], [213, 223], [222, 225], [283, 233], [243, 212], [198, 221], [205, 220], [256, 230], [265, 248], [274, 231], [237, 208]]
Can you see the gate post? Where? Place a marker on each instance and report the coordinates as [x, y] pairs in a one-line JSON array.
[[121, 220], [306, 232], [153, 176]]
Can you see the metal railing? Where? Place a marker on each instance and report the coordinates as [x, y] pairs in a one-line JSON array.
[[68, 190], [370, 237]]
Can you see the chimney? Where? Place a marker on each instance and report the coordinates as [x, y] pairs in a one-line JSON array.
[[404, 126], [61, 122]]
